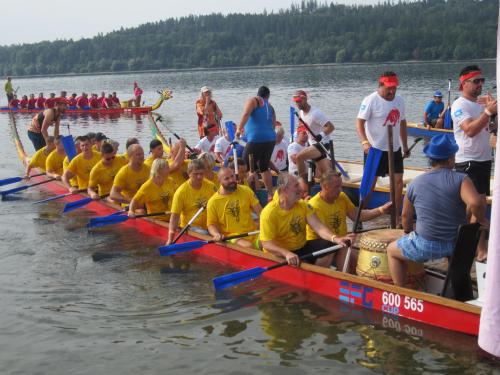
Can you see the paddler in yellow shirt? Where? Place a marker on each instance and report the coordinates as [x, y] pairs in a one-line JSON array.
[[156, 151], [104, 172], [73, 181], [55, 160], [81, 165], [155, 194], [178, 163], [189, 198], [283, 226], [209, 160], [229, 210], [40, 157], [130, 177]]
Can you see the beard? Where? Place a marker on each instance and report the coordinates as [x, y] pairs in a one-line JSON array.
[[231, 187]]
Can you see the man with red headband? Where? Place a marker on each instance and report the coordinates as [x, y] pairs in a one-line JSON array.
[[470, 126], [378, 110], [321, 127]]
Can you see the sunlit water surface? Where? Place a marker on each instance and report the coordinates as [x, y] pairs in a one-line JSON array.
[[106, 303]]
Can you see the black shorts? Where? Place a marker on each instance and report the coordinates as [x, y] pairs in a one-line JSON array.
[[311, 246], [479, 172], [261, 152], [321, 150], [37, 140], [383, 167]]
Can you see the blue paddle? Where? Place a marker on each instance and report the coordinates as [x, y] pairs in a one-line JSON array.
[[101, 221], [448, 124], [24, 187], [193, 245], [59, 196], [12, 180], [71, 206], [69, 146], [292, 122], [226, 281]]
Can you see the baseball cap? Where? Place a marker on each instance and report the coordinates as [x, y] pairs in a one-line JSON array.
[[438, 94], [205, 89]]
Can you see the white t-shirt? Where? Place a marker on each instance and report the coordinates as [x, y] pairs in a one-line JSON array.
[[475, 148], [279, 155], [204, 145], [293, 149], [378, 113], [315, 119], [223, 146]]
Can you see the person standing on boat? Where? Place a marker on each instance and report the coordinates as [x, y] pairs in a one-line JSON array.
[[130, 177], [81, 165], [434, 111], [258, 120], [208, 111], [229, 210], [377, 111], [471, 118], [38, 130], [136, 101], [283, 226], [322, 127], [189, 198], [440, 198], [9, 90]]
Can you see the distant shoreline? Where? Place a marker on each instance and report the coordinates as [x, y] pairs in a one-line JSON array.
[[245, 68]]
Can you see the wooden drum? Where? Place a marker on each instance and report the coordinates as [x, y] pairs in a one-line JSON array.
[[373, 263]]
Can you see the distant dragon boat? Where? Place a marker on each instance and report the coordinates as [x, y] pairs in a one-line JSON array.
[[420, 130], [164, 95]]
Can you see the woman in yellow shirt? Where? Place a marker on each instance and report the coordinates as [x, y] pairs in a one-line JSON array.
[[156, 194]]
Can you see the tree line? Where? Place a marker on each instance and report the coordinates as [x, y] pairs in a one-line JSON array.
[[306, 33]]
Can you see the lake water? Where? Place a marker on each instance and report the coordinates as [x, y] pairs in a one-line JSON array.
[[70, 308]]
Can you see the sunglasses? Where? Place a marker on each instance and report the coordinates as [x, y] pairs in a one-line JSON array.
[[110, 158], [477, 81]]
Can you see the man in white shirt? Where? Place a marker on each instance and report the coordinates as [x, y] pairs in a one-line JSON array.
[[222, 146], [470, 126], [294, 148], [321, 127], [278, 162], [378, 110], [207, 143]]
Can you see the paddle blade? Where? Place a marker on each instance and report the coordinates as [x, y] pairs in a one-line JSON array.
[[97, 222], [230, 130], [292, 122], [77, 204], [14, 190], [226, 281], [448, 124], [69, 146], [371, 166], [180, 247], [11, 180]]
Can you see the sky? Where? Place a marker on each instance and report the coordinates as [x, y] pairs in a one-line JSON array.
[[33, 21]]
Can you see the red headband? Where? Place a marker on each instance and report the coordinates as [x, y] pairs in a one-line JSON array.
[[467, 76], [391, 81]]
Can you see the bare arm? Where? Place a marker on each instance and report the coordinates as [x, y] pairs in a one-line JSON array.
[[473, 200], [48, 119], [178, 161], [116, 195], [215, 232], [250, 105], [367, 215], [328, 128], [324, 232], [68, 175], [407, 215], [360, 129], [257, 209], [281, 252], [92, 192], [172, 227]]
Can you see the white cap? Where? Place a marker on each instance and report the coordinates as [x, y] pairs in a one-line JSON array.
[[205, 89]]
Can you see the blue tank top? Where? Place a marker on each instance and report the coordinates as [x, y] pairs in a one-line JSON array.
[[438, 206], [259, 127]]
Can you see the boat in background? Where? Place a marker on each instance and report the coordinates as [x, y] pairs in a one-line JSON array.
[[165, 94], [395, 302], [420, 130]]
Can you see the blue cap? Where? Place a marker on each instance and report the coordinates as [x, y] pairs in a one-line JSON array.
[[438, 94], [441, 147]]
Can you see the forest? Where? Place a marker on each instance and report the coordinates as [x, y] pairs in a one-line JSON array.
[[309, 32]]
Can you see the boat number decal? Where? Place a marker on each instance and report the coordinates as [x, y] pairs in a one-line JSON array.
[[356, 294], [391, 303]]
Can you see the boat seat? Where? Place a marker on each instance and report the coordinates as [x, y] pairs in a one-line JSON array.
[[458, 282]]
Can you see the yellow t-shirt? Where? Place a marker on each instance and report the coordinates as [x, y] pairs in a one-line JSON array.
[[332, 215], [232, 213], [81, 168], [149, 161], [156, 198], [102, 176], [179, 176], [39, 158], [286, 228], [73, 181], [187, 201], [54, 162], [130, 181]]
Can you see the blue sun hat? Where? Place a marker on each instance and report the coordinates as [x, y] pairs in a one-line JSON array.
[[441, 147], [438, 94]]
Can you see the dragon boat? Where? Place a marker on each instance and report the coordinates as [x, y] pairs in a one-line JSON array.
[[420, 130], [399, 305]]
